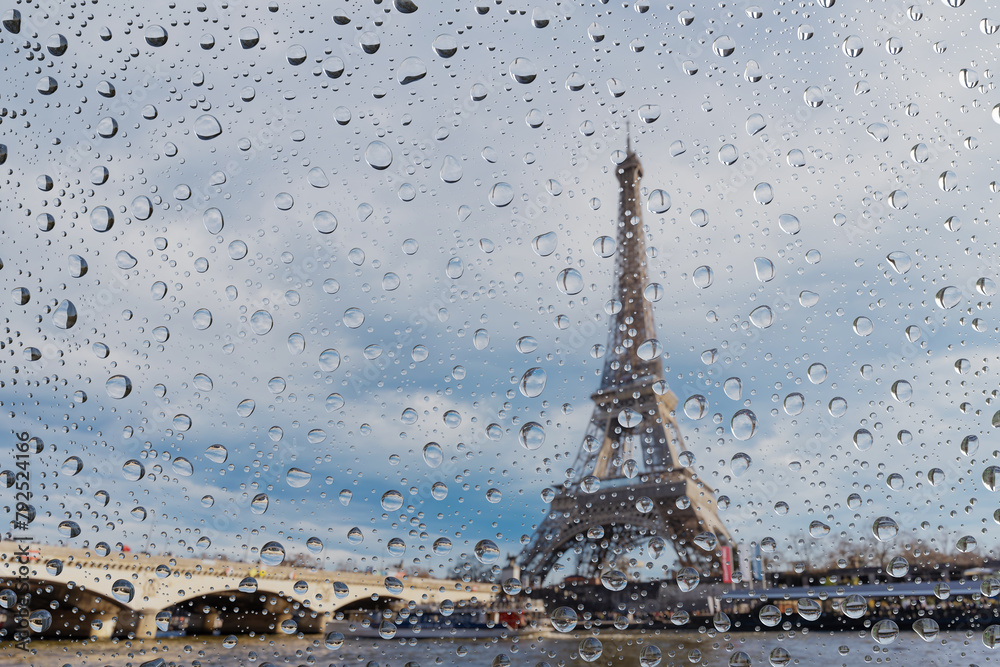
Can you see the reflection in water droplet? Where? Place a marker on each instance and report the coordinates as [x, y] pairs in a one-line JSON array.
[[817, 373], [743, 424], [794, 404], [378, 155], [156, 35], [501, 194], [764, 269], [762, 317], [902, 390], [733, 387], [354, 318], [207, 126], [486, 552], [702, 276], [202, 319], [64, 316], [118, 386], [531, 436], [813, 96], [687, 579], [863, 326], [569, 281], [261, 322], [481, 339], [545, 244], [272, 554], [410, 70], [532, 382], [325, 222], [523, 70]]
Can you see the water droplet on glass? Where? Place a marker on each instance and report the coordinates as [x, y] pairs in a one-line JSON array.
[[898, 199], [884, 528], [863, 326], [532, 382], [733, 387], [481, 339], [64, 316], [885, 631], [658, 202], [794, 404], [523, 70], [563, 619], [569, 281], [501, 194], [702, 276], [261, 322], [813, 96], [410, 70], [789, 223], [378, 155], [545, 244], [354, 318], [118, 386], [743, 424], [902, 390], [816, 373], [696, 407], [272, 554], [202, 319], [156, 35], [392, 500], [123, 591], [762, 317], [764, 269], [207, 126], [740, 462], [531, 436], [486, 552], [687, 579]]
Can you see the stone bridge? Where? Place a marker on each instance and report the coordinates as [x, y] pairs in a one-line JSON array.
[[130, 594]]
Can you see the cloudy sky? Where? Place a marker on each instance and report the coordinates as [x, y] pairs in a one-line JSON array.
[[321, 258]]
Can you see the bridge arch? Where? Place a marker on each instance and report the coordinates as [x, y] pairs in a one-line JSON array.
[[82, 583], [78, 611]]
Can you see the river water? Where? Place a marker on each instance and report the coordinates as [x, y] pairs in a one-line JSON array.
[[827, 649]]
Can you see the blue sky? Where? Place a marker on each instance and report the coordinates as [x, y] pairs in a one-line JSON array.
[[281, 122]]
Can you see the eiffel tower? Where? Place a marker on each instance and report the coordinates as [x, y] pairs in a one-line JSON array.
[[629, 484]]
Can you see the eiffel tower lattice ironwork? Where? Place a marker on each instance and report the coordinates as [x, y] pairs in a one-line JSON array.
[[629, 485]]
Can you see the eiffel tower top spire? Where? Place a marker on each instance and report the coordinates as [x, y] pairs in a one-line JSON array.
[[632, 324]]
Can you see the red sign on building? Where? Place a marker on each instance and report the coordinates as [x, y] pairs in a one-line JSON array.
[[727, 564]]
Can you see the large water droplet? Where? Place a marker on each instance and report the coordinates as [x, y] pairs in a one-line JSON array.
[[563, 619], [378, 155], [687, 579], [486, 552], [156, 35], [532, 382], [884, 528], [123, 591], [207, 126], [118, 386], [569, 281], [545, 244], [523, 70], [261, 322], [410, 70], [272, 554], [531, 436], [64, 316]]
